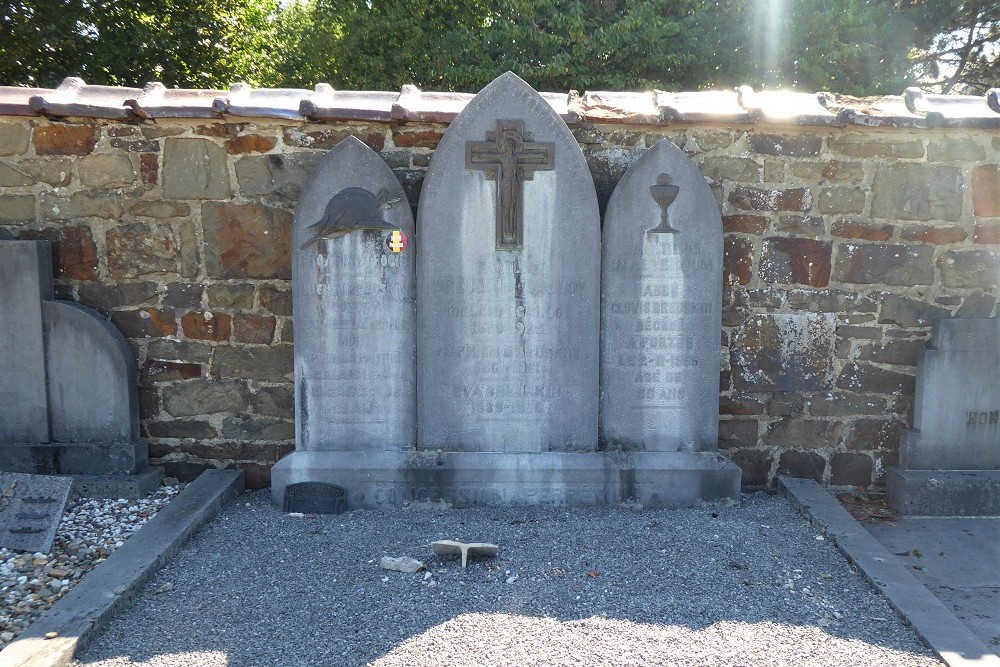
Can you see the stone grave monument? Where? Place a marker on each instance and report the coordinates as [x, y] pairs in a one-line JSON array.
[[508, 323], [30, 509], [949, 462], [68, 390]]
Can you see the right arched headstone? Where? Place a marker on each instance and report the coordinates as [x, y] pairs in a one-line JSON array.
[[661, 308]]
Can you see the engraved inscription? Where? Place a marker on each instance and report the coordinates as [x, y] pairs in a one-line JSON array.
[[509, 156], [980, 417]]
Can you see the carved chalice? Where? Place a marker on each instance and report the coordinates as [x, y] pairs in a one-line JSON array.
[[664, 193]]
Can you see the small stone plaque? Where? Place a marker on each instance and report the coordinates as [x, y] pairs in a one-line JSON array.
[[315, 498], [30, 509]]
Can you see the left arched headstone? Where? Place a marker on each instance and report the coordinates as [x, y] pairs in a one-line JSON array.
[[68, 387], [354, 310]]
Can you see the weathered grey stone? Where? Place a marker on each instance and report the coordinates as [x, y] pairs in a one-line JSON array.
[[159, 209], [17, 208], [977, 306], [862, 378], [917, 192], [181, 428], [269, 364], [831, 170], [274, 401], [851, 469], [14, 138], [166, 349], [246, 241], [510, 335], [11, 177], [969, 268], [889, 264], [896, 352], [804, 433], [183, 295], [786, 404], [755, 466], [841, 200], [195, 169], [804, 145], [953, 148], [354, 296], [739, 169], [25, 282], [845, 404], [801, 225], [661, 304], [280, 175], [784, 352], [868, 434], [795, 261], [106, 297], [794, 463], [956, 416], [830, 301], [114, 170], [907, 312], [204, 398], [54, 171], [82, 204], [736, 433], [140, 248], [231, 295], [864, 145], [243, 427]]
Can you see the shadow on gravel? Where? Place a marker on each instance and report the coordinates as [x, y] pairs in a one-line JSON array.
[[748, 584]]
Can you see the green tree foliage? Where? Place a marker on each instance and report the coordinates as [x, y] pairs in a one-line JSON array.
[[964, 55], [190, 43]]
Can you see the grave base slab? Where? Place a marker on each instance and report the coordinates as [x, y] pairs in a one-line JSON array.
[[130, 487], [462, 479], [75, 458], [944, 492]]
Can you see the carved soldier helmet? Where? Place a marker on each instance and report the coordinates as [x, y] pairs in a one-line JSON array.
[[351, 209]]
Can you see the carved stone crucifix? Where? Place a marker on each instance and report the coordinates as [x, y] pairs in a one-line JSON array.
[[509, 157]]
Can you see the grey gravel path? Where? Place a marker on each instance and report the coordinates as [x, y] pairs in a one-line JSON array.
[[748, 584]]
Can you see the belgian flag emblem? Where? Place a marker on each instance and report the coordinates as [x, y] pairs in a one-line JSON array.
[[396, 241]]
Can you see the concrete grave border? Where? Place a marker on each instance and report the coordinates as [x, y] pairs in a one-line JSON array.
[[94, 601]]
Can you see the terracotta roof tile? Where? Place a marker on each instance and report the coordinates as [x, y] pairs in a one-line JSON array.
[[328, 104], [245, 100], [158, 101], [74, 97], [14, 101]]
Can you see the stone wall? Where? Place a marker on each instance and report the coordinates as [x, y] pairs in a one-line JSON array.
[[843, 245]]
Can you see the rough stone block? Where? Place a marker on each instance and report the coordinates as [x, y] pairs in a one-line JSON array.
[[107, 171], [195, 169], [736, 433], [274, 402], [232, 295], [831, 170], [276, 300], [809, 465], [783, 352], [864, 146], [181, 428], [17, 208], [845, 404], [870, 434], [795, 261], [327, 138], [149, 168], [145, 322], [804, 433], [804, 145], [280, 175], [739, 169], [403, 138], [907, 312], [737, 261], [977, 306], [54, 171], [254, 329], [904, 265], [935, 235], [65, 139], [756, 199], [969, 268], [14, 138], [82, 204], [912, 191], [986, 234], [897, 352], [269, 364], [13, 178], [159, 209], [185, 399], [786, 404], [141, 248], [801, 225], [242, 427], [850, 469], [246, 241], [744, 224], [862, 378], [849, 229], [755, 466], [986, 190], [841, 200], [183, 295], [249, 143], [207, 326], [107, 297], [179, 350], [168, 371], [740, 405], [952, 149]]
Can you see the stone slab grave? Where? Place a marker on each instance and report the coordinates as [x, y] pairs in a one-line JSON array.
[[508, 325], [68, 389], [30, 509], [949, 462]]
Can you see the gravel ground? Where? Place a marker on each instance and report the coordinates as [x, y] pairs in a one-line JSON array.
[[89, 531], [748, 584]]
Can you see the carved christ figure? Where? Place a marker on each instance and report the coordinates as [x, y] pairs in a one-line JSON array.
[[509, 157]]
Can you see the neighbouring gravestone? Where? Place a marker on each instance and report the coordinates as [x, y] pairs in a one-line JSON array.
[[353, 304], [949, 462], [68, 390], [30, 509], [508, 287]]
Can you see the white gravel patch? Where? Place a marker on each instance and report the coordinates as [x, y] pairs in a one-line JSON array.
[[89, 531], [748, 584]]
